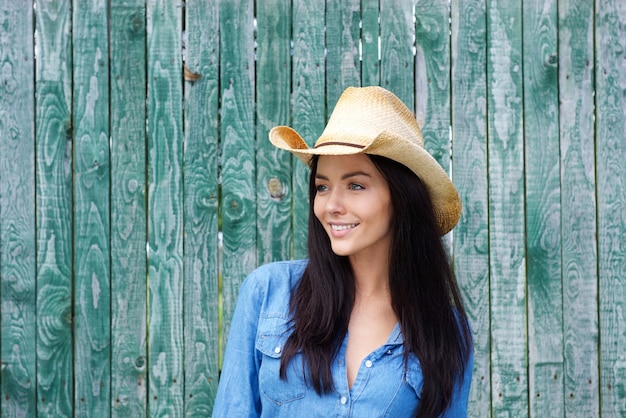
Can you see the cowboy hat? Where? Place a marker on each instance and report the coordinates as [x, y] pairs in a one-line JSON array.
[[373, 120]]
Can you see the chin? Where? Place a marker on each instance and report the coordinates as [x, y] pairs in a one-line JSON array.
[[342, 252]]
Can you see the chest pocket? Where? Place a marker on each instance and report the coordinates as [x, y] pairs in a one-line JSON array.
[[406, 399], [273, 333]]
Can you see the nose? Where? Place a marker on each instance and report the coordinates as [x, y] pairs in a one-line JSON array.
[[335, 201]]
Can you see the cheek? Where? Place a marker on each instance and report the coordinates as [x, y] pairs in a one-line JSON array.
[[387, 214]]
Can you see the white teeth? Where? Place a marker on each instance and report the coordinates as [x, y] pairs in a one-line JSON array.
[[341, 227]]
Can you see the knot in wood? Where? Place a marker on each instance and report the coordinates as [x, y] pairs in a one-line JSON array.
[[140, 362], [276, 189]]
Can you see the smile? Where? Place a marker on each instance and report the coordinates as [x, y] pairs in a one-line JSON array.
[[336, 227]]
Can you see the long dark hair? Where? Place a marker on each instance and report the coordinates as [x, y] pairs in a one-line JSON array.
[[424, 295]]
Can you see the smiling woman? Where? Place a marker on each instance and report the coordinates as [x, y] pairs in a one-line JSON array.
[[352, 202], [359, 327]]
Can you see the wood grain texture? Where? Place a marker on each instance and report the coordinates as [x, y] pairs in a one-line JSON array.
[[432, 82], [343, 66], [432, 77], [578, 208], [543, 210], [92, 256], [309, 105], [201, 208], [397, 33], [273, 92], [53, 98], [128, 209], [17, 211], [507, 256], [165, 206], [238, 199], [370, 38], [469, 174], [611, 199]]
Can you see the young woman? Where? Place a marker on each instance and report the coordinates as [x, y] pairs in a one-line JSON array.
[[372, 324]]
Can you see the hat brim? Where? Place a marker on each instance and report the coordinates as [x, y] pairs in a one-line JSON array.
[[444, 196]]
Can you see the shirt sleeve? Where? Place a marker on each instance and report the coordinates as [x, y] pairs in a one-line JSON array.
[[458, 406], [238, 391]]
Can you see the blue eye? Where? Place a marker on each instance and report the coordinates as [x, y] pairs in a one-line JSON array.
[[355, 186], [320, 188]]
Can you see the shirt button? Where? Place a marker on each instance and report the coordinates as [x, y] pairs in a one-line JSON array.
[[277, 350], [343, 400], [368, 363]]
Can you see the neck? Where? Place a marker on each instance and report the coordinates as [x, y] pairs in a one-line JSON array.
[[371, 277]]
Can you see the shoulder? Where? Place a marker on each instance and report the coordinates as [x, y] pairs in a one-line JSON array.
[[277, 274], [270, 285], [279, 268]]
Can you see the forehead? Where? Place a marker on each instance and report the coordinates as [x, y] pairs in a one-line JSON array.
[[329, 164]]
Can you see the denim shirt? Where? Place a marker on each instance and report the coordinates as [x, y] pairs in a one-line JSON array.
[[250, 385]]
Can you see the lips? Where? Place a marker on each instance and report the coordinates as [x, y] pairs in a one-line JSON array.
[[342, 227], [341, 230]]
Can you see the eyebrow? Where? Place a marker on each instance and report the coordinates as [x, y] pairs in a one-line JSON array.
[[345, 176]]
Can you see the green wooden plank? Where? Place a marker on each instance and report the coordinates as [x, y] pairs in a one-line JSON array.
[[397, 32], [543, 210], [506, 209], [92, 257], [469, 174], [343, 67], [432, 77], [309, 108], [238, 200], [578, 208], [432, 81], [54, 209], [165, 226], [17, 211], [128, 208], [201, 208], [611, 194], [273, 93], [370, 37]]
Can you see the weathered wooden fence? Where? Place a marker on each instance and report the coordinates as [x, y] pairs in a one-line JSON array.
[[133, 131]]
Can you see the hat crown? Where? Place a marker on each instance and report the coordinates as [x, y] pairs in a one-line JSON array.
[[363, 114]]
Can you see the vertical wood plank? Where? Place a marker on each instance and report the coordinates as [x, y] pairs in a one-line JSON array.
[[53, 97], [165, 226], [370, 37], [397, 32], [469, 174], [611, 194], [273, 91], [543, 210], [343, 67], [201, 207], [128, 208], [432, 77], [92, 257], [17, 210], [507, 257], [309, 104], [578, 208], [238, 145]]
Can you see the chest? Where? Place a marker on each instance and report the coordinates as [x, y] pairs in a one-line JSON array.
[[366, 333], [383, 385]]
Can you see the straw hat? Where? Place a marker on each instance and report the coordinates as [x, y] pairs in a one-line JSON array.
[[373, 120]]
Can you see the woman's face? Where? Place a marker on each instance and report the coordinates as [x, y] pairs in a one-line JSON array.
[[353, 203]]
